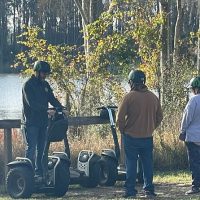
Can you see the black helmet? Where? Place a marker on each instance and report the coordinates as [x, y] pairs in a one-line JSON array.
[[42, 66], [137, 76]]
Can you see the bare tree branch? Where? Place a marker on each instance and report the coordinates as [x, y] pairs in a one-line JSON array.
[[83, 15]]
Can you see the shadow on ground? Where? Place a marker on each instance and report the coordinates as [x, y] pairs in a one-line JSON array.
[[164, 191]]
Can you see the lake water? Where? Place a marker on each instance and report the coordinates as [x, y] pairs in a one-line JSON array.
[[11, 95], [11, 98]]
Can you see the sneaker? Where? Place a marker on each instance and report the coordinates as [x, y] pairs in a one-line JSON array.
[[129, 196], [194, 190], [150, 194]]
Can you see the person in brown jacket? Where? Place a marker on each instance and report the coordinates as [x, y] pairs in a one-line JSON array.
[[138, 116]]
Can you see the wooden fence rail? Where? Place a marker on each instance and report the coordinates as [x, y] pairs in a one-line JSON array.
[[9, 124]]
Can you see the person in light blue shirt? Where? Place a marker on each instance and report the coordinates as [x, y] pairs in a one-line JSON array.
[[190, 134]]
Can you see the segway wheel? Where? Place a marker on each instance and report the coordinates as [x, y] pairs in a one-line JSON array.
[[20, 182], [109, 173], [93, 180], [62, 179]]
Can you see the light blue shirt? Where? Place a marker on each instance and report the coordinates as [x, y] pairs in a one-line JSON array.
[[190, 124]]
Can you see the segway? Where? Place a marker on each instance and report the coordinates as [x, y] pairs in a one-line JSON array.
[[87, 173], [111, 170], [20, 180]]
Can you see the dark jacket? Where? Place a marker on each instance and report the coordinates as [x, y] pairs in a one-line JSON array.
[[36, 95], [139, 114]]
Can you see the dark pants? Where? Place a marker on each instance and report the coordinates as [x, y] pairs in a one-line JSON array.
[[193, 152], [142, 147], [35, 142]]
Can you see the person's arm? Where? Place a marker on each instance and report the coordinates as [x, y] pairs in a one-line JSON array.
[[52, 99], [188, 115], [159, 115], [30, 98], [121, 115]]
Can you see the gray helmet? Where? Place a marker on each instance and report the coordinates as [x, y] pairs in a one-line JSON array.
[[137, 76], [42, 66]]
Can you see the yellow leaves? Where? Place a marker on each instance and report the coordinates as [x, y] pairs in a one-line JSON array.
[[147, 36], [192, 34], [100, 43], [20, 55], [113, 3], [157, 20], [150, 71], [195, 34], [28, 71], [38, 49]]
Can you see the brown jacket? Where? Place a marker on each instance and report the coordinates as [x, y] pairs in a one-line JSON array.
[[139, 114]]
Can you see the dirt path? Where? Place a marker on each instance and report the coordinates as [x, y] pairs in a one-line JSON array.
[[164, 191]]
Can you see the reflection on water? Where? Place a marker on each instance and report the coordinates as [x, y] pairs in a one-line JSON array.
[[11, 98]]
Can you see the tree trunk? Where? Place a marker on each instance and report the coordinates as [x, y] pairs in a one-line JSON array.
[[3, 33], [177, 33], [198, 49], [164, 63], [86, 9]]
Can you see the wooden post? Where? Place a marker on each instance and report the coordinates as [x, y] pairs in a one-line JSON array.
[[7, 148]]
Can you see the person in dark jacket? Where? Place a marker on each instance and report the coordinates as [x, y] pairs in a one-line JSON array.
[[138, 116], [36, 95]]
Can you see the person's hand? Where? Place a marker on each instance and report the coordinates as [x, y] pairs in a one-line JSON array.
[[182, 136], [65, 112], [51, 113]]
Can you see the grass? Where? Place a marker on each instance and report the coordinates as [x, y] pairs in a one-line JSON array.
[[172, 177], [169, 152]]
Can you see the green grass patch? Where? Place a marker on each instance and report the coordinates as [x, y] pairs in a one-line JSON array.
[[172, 177]]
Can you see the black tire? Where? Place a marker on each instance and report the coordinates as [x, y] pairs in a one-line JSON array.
[[20, 182], [109, 172], [62, 178], [93, 180]]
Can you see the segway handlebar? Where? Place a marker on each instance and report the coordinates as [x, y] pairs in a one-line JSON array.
[[104, 107], [110, 115], [59, 110]]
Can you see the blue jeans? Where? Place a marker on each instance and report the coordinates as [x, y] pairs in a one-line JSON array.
[[193, 152], [142, 147], [35, 142]]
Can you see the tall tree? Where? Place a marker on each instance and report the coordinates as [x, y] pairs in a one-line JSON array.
[[177, 32], [198, 45], [88, 10], [3, 32], [164, 62]]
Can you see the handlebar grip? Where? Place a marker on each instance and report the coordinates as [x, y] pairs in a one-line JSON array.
[[104, 107], [112, 107], [57, 108]]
